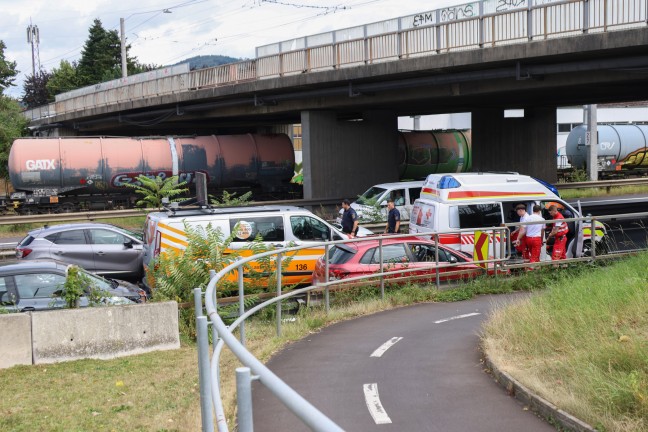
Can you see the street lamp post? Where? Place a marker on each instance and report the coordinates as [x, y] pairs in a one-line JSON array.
[[122, 28], [123, 48]]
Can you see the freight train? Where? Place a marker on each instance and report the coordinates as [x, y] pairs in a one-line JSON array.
[[67, 174], [622, 149], [74, 173]]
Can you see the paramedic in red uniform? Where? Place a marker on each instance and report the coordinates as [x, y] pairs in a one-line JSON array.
[[531, 236], [559, 231]]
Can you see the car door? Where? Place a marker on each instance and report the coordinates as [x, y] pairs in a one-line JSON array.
[[270, 229], [394, 257], [424, 258], [307, 230], [39, 290], [72, 247], [413, 194], [115, 254], [400, 202]]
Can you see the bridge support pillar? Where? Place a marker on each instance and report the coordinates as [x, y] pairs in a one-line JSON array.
[[524, 144], [344, 158]]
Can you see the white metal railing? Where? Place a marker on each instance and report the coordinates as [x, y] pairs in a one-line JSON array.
[[209, 376], [473, 25], [499, 238]]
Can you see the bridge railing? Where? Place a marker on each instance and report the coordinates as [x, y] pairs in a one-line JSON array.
[[473, 25]]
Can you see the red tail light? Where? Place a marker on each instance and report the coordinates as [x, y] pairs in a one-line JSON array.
[[335, 274], [22, 252]]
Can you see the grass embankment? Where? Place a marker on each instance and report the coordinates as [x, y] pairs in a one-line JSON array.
[[159, 391], [582, 344]]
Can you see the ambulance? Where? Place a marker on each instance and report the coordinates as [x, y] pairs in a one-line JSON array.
[[278, 227], [481, 201]]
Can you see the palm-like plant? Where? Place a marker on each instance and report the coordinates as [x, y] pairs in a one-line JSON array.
[[154, 189]]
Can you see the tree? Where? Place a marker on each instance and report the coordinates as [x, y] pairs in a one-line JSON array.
[[12, 125], [35, 88], [153, 190], [63, 79], [8, 70], [101, 57]]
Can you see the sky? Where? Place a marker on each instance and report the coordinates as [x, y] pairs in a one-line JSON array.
[[164, 32]]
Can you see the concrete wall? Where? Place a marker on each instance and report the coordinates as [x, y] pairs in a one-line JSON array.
[[15, 340], [525, 144], [102, 333], [343, 158]]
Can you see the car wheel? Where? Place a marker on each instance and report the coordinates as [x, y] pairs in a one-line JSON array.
[[601, 248]]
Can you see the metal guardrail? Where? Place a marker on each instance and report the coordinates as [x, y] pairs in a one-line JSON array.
[[107, 214], [209, 377], [608, 184], [311, 416]]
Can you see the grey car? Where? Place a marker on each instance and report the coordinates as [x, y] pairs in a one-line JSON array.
[[38, 285], [99, 248]]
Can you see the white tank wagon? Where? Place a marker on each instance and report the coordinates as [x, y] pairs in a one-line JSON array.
[[620, 147]]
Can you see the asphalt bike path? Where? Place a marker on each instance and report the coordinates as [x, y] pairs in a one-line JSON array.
[[416, 368]]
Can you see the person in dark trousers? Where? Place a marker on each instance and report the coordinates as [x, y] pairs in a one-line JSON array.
[[393, 218], [349, 219]]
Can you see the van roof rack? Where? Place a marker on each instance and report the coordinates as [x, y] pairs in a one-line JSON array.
[[201, 199]]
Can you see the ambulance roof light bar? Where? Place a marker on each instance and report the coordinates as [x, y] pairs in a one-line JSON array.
[[448, 182]]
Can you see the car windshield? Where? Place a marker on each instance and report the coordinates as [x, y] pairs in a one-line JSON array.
[[98, 281], [371, 195]]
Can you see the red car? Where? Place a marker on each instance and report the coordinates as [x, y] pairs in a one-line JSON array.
[[363, 258]]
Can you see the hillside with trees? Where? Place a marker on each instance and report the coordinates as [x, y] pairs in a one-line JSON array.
[[207, 61]]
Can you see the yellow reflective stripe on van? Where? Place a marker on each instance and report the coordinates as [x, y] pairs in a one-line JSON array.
[[171, 229], [172, 237]]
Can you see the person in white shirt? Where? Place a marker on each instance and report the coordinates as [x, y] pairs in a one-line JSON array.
[[529, 239]]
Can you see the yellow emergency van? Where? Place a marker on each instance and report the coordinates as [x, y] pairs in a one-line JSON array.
[[482, 200], [278, 227]]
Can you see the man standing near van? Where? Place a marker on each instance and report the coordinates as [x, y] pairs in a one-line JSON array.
[[349, 219], [520, 241], [393, 218]]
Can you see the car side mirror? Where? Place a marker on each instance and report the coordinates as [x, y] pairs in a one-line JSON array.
[[383, 204], [128, 244], [453, 260]]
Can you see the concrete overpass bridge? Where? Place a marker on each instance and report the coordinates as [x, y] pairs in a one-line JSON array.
[[348, 87]]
